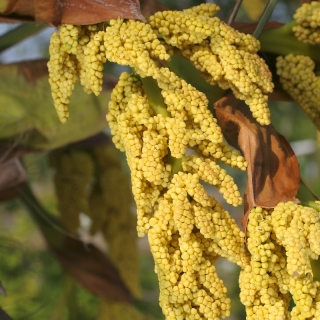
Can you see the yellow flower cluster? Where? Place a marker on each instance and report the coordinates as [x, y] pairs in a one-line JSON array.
[[297, 229], [189, 231], [62, 76], [128, 110], [133, 43], [147, 137], [299, 80], [264, 283], [308, 18], [210, 172], [281, 243], [75, 52], [223, 54], [94, 58], [70, 34]]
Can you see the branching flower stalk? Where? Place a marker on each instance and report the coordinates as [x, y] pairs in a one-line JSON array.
[[155, 117]]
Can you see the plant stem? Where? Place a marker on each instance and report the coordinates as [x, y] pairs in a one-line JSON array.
[[281, 41], [20, 33], [155, 98], [234, 11], [265, 18], [311, 204], [176, 164]]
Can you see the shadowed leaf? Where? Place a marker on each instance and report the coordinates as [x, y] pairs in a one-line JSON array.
[[91, 268], [28, 112], [58, 12], [273, 169], [119, 311], [13, 150], [3, 290]]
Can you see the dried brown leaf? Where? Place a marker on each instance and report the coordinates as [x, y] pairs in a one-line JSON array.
[[273, 169], [92, 269], [58, 12]]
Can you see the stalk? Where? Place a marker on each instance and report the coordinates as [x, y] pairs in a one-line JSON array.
[[281, 41], [311, 204], [158, 106], [20, 33], [265, 18], [155, 98], [176, 164]]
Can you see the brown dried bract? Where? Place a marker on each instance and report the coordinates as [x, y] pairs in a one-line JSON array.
[[273, 169], [78, 12], [92, 269]]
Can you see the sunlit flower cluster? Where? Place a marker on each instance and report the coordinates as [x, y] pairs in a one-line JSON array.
[[298, 78], [308, 18], [281, 242]]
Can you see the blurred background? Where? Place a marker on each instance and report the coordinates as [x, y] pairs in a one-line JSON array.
[[34, 285]]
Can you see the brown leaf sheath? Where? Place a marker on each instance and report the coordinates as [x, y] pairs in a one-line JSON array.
[[79, 12], [273, 169]]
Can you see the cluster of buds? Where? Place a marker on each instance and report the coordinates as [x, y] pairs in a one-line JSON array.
[[298, 78], [281, 242], [308, 28], [224, 55]]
